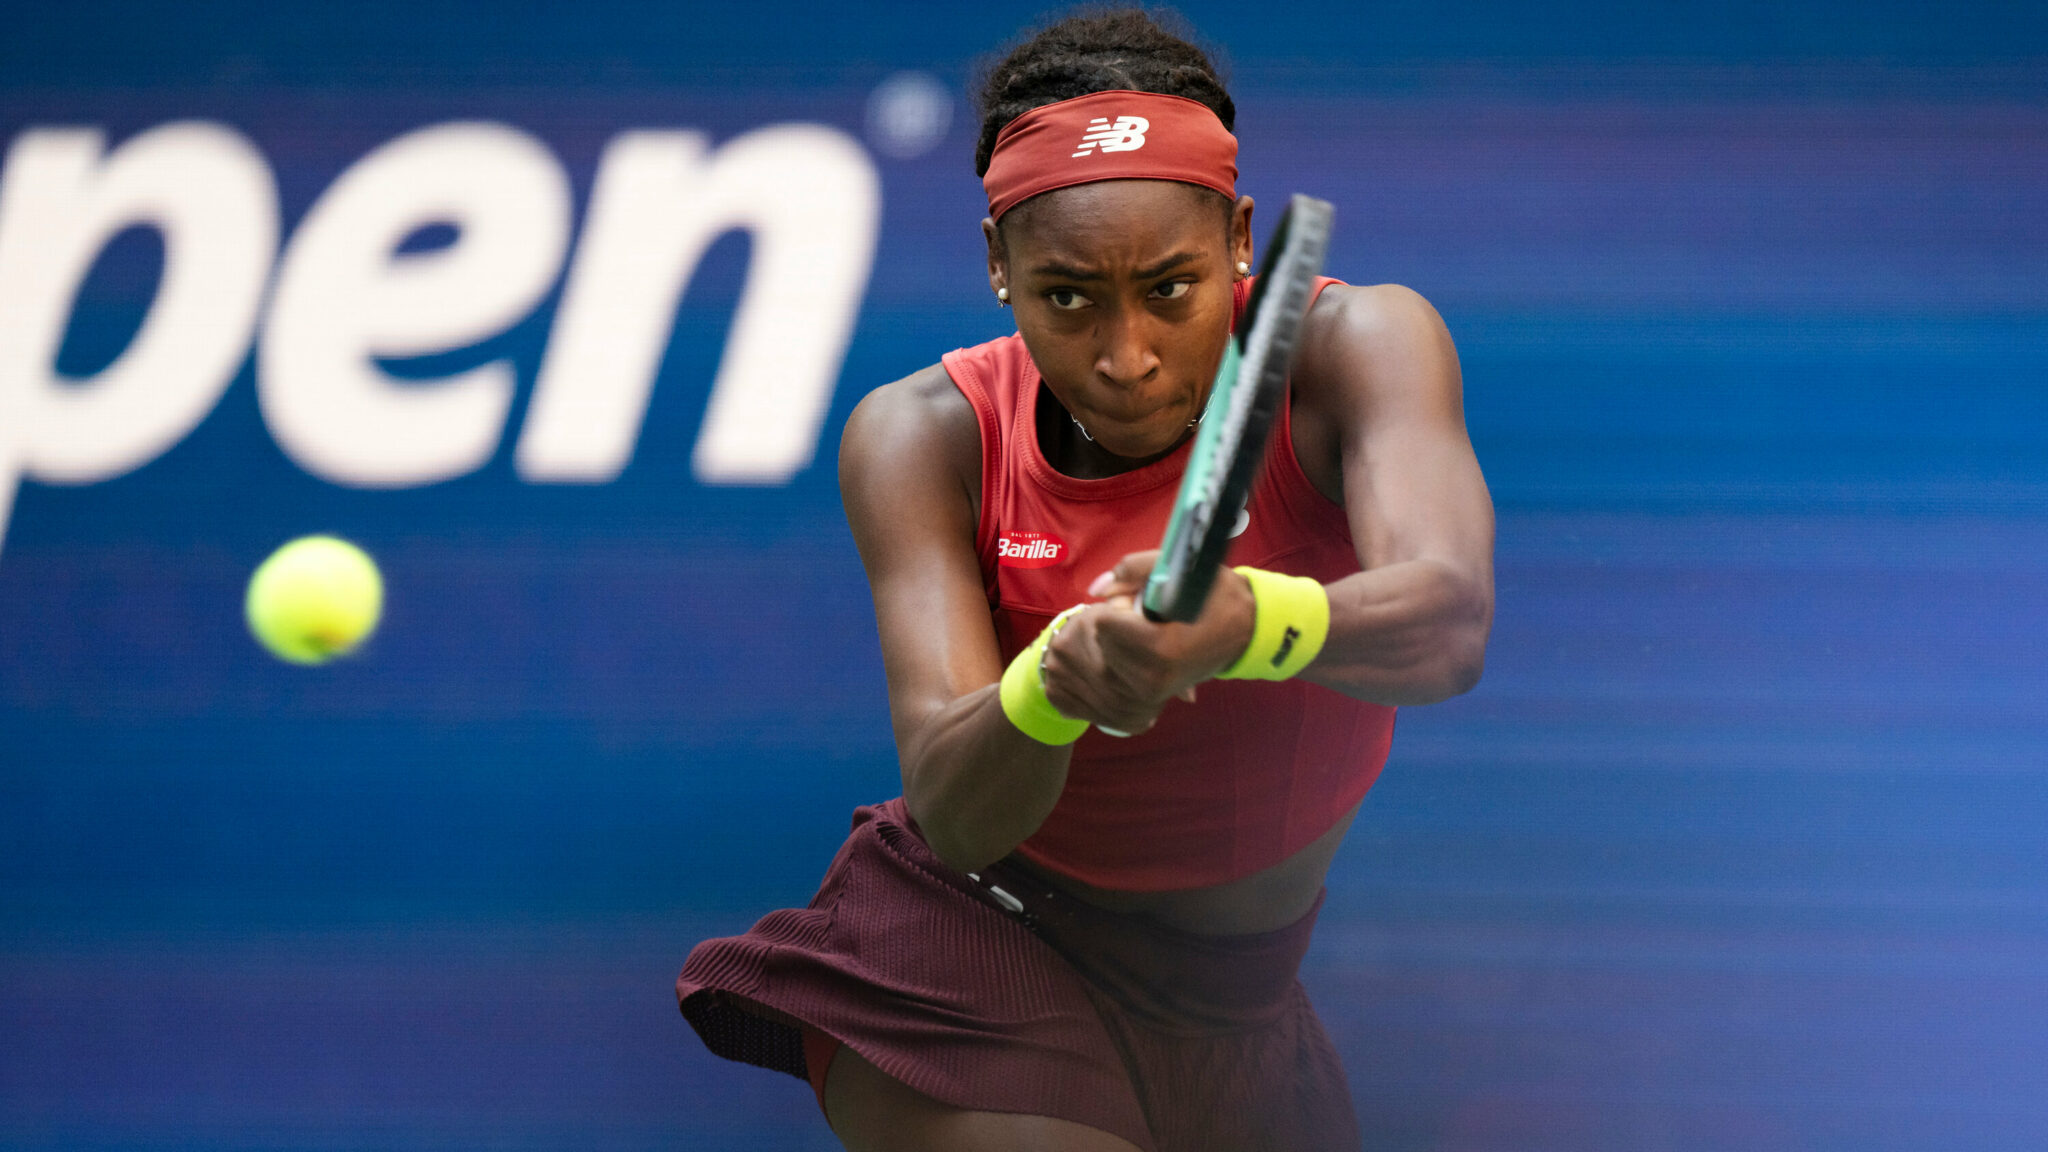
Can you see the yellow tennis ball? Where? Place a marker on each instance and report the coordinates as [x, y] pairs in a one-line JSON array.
[[314, 599]]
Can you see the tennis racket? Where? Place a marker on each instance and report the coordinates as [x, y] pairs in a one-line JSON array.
[[1238, 420]]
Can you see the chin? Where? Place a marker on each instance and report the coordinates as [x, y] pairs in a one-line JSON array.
[[1138, 445]]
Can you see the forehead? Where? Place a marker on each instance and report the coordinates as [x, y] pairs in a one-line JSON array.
[[1116, 223]]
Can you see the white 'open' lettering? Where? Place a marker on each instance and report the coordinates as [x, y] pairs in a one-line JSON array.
[[210, 194]]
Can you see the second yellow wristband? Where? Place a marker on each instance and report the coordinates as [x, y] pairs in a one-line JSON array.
[[1022, 693], [1290, 621]]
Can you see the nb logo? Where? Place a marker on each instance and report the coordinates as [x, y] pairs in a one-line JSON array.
[[1126, 135]]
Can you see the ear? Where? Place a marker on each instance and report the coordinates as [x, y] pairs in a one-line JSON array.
[[1241, 232], [998, 258]]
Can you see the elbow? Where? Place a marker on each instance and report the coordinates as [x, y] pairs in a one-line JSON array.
[[1463, 647], [1462, 671], [1430, 665], [1433, 683], [1452, 666], [1453, 659], [1462, 655], [954, 854], [939, 833], [1429, 680]]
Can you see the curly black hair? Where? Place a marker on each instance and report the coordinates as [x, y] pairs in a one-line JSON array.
[[1097, 51]]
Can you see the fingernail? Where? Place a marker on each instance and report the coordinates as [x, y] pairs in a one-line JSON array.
[[1102, 583]]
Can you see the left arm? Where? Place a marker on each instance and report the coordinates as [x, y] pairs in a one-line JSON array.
[[1381, 419]]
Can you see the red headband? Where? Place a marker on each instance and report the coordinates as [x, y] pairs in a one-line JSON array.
[[1109, 136]]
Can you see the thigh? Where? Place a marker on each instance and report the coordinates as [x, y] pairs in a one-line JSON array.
[[871, 1111]]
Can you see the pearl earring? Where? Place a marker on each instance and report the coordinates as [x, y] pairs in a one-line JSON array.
[[1243, 269], [1003, 297]]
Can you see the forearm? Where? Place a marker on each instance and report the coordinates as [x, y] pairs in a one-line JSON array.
[[1407, 633], [978, 786]]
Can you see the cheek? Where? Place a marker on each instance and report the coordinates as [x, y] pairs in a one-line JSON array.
[[1194, 357], [1063, 358], [1065, 367], [1200, 348]]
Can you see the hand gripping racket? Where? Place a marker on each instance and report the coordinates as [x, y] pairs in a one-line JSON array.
[[1238, 420]]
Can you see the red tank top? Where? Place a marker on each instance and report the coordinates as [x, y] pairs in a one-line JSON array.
[[1238, 781]]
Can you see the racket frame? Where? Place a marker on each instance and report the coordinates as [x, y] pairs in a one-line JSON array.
[[1237, 420]]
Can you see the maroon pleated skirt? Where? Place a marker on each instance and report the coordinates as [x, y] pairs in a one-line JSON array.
[[1000, 993]]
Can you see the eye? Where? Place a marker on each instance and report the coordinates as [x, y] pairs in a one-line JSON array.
[[1066, 299], [1173, 289]]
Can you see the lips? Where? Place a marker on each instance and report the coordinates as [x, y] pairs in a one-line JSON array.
[[1141, 444], [1158, 414]]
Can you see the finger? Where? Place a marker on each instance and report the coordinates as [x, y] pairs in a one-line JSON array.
[[1077, 679], [1084, 680], [1065, 689], [1136, 566], [1128, 577], [1105, 706], [1130, 656]]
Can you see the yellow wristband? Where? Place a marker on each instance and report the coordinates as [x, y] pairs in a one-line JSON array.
[[1023, 693], [1290, 621]]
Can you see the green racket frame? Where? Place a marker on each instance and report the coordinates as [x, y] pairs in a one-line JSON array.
[[1237, 422]]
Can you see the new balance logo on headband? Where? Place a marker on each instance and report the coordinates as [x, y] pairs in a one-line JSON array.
[[1126, 135], [1116, 135]]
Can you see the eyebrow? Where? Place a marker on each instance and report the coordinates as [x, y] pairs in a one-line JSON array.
[[1057, 270]]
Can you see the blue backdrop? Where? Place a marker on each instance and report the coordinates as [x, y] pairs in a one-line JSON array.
[[1740, 844]]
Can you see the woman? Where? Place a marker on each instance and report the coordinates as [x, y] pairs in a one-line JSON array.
[[1058, 938]]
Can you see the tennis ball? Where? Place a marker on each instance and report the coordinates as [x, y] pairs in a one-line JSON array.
[[314, 599]]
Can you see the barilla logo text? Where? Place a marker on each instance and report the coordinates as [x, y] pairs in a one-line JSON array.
[[1030, 550], [1126, 135]]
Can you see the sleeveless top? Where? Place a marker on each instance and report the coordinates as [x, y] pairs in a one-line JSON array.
[[1253, 771]]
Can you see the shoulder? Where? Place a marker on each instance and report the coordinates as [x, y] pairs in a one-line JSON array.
[[1365, 346], [1353, 322], [1373, 360], [924, 411], [919, 431]]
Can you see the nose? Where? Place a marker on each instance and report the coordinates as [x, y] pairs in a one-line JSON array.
[[1126, 356]]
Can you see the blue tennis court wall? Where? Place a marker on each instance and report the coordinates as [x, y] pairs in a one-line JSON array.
[[1739, 844]]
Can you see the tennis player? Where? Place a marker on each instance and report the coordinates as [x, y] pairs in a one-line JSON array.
[[1057, 938]]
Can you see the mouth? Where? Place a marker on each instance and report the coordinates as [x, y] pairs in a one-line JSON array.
[[1137, 434], [1175, 410]]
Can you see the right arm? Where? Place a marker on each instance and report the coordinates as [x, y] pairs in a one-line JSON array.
[[909, 474]]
